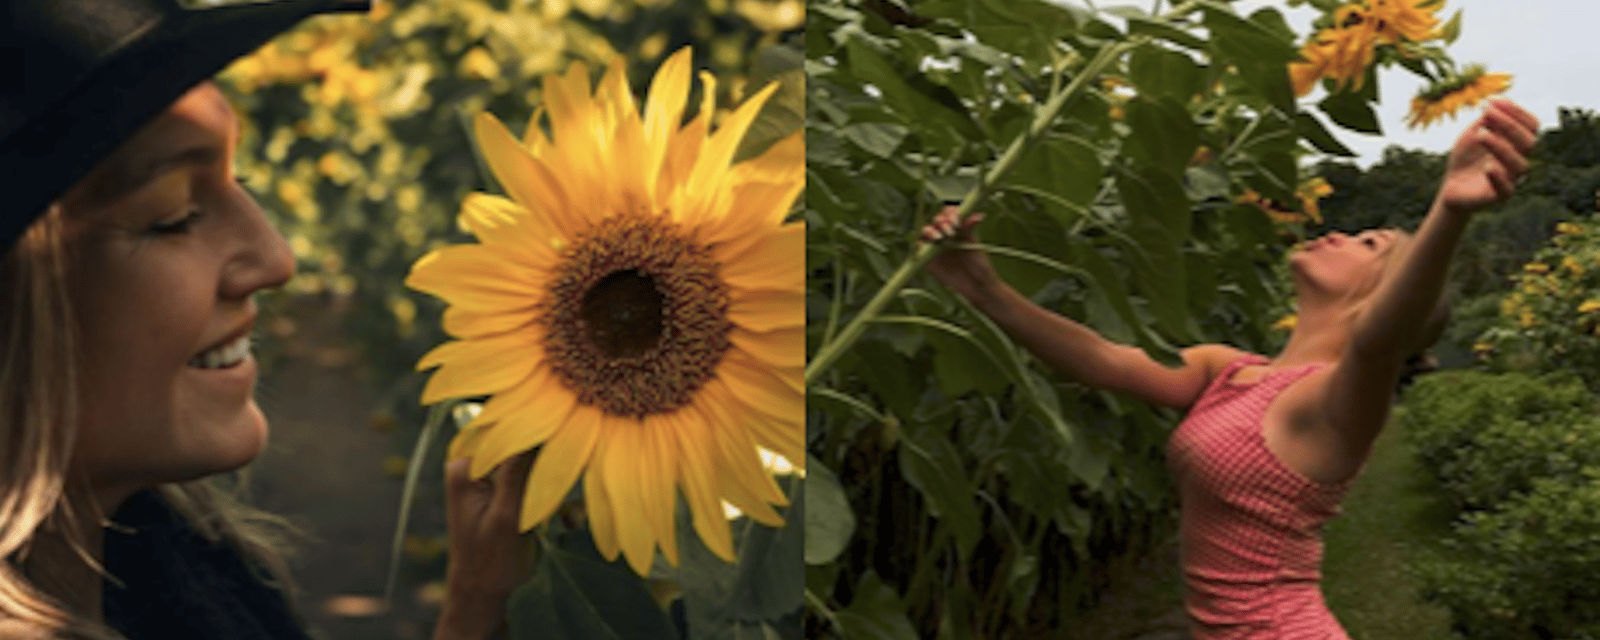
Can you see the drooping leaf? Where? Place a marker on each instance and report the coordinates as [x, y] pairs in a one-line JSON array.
[[830, 523], [1163, 136], [572, 597], [934, 467]]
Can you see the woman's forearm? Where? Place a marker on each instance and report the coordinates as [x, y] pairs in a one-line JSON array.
[[1067, 347], [1393, 324]]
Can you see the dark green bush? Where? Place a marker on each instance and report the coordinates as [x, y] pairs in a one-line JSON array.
[[1486, 437], [1528, 568]]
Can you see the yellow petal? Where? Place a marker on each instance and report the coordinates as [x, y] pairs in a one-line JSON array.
[[540, 394], [470, 275], [780, 348], [684, 149], [507, 226], [527, 179], [776, 261], [620, 467], [787, 437], [524, 417], [661, 488], [629, 179], [463, 322], [699, 475], [465, 443], [711, 165], [767, 310], [782, 163], [758, 388], [602, 516], [669, 93], [745, 478], [480, 366], [558, 466]]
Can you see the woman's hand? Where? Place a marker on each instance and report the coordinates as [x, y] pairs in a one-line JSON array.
[[488, 557], [964, 271], [1488, 159]]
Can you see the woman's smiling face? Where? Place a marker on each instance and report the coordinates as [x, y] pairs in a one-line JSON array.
[[163, 251]]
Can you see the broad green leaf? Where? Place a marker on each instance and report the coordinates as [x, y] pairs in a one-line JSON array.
[[1161, 72], [830, 524], [572, 597], [877, 138], [1260, 54], [1163, 135], [961, 366], [1206, 182], [1154, 194], [934, 467], [886, 373], [771, 580], [1348, 110], [1313, 131], [1158, 264], [934, 120], [1114, 294], [876, 613], [1065, 167], [1166, 31]]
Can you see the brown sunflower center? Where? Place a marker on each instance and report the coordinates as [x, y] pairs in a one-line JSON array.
[[636, 317], [623, 314]]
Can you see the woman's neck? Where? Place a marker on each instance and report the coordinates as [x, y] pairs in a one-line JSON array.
[[1320, 335]]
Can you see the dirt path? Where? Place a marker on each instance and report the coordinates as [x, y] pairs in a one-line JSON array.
[[324, 469]]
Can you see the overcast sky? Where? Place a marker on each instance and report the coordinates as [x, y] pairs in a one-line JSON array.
[[1547, 45]]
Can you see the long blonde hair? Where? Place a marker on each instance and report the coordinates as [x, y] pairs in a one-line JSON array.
[[38, 431]]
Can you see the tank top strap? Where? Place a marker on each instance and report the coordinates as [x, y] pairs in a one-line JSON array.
[[1226, 375], [1276, 381]]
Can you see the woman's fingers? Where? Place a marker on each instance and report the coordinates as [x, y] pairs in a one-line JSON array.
[[510, 484], [1525, 120]]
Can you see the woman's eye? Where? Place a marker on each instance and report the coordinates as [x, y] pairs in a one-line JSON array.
[[173, 227]]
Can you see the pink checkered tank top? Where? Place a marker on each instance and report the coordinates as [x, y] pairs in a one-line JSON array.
[[1250, 527]]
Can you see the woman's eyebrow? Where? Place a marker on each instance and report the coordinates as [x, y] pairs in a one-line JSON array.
[[129, 175]]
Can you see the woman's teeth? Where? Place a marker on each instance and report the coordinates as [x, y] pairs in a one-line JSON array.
[[224, 356]]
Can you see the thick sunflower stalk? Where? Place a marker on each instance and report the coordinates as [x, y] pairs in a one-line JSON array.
[[635, 309]]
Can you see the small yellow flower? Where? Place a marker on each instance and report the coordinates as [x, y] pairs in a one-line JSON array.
[[1589, 306], [1482, 348], [1568, 228], [1286, 323], [1536, 267], [1571, 265]]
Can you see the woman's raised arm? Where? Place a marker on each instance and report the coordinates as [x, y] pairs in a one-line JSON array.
[[1074, 350]]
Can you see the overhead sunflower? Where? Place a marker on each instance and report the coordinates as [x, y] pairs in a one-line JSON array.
[[1341, 55], [636, 309], [1413, 20], [1446, 97]]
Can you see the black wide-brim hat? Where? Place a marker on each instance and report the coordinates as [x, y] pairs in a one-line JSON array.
[[80, 77]]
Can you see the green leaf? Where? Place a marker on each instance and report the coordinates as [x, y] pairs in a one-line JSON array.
[[1259, 52], [877, 138], [933, 466], [771, 582], [1154, 194], [1158, 264], [1312, 130], [830, 524], [1452, 29], [1166, 31], [876, 613], [1161, 72], [1348, 110], [575, 598], [934, 119], [1163, 136], [1065, 167]]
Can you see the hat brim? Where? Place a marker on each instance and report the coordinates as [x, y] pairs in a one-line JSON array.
[[128, 90]]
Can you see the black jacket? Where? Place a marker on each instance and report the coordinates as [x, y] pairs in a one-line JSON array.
[[176, 585]]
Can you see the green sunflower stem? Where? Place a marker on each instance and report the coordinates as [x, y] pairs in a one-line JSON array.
[[831, 351]]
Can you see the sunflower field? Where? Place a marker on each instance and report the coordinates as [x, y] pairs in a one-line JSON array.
[[363, 136], [1142, 172]]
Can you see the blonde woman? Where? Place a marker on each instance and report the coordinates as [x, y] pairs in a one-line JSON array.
[[1270, 445], [125, 314]]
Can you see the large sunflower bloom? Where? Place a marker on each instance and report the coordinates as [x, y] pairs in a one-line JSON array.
[[1445, 98], [636, 309]]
